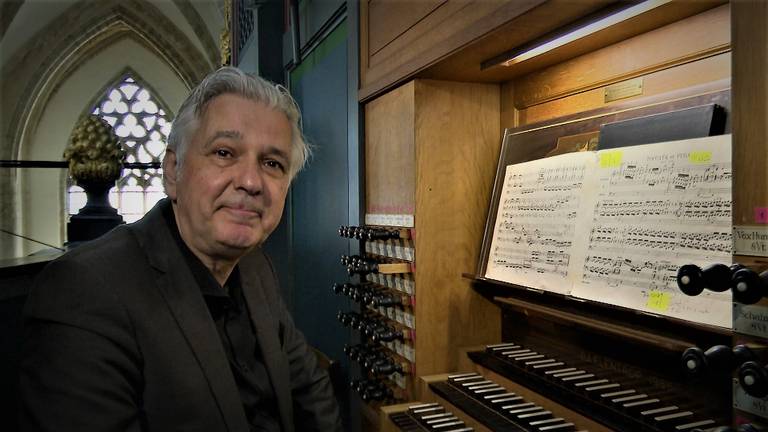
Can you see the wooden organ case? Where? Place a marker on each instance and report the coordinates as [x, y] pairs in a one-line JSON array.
[[452, 95]]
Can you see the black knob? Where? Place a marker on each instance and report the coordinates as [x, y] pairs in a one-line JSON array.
[[359, 233], [387, 334], [374, 360], [690, 280], [749, 287], [753, 378], [716, 277], [743, 354], [387, 300], [698, 363], [382, 234]]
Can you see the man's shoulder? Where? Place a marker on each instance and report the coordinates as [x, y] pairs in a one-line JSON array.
[[112, 248], [83, 279]]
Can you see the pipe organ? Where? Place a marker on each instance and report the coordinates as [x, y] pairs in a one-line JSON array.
[[640, 129]]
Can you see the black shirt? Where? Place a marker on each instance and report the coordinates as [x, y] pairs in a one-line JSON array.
[[230, 312]]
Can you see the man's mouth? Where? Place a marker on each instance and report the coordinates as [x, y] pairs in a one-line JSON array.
[[244, 211]]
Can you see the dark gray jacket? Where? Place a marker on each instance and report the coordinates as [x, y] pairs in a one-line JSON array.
[[118, 338]]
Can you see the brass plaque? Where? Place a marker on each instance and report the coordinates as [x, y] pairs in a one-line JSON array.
[[624, 89]]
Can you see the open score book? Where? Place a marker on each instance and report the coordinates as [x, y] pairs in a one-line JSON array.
[[614, 225]]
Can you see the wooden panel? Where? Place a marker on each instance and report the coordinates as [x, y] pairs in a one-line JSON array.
[[750, 110], [390, 158], [457, 147], [388, 19], [509, 114], [552, 17], [709, 70], [697, 37], [449, 27]]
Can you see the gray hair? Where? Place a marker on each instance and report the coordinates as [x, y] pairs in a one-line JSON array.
[[230, 80]]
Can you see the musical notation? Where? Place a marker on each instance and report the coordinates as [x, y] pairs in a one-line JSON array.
[[615, 227], [668, 175], [536, 223], [686, 245]]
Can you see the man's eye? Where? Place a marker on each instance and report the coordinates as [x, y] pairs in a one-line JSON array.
[[274, 164], [223, 153]]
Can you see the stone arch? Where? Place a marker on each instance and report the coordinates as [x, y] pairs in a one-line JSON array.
[[49, 61]]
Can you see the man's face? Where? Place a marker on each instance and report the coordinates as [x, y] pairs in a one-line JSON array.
[[230, 190]]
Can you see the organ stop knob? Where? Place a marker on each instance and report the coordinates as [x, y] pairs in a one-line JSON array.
[[692, 280], [753, 378], [749, 287]]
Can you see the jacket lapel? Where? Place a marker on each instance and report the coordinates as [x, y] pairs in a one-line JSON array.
[[266, 327], [185, 301]]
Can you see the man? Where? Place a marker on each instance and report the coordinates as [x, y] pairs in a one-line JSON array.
[[175, 323]]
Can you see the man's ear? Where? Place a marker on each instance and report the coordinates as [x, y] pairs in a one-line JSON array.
[[170, 173]]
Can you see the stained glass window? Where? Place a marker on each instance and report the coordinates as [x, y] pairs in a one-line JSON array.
[[142, 125]]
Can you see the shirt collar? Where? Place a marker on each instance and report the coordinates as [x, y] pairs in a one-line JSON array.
[[209, 286]]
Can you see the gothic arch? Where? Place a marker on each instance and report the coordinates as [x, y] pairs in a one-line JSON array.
[[39, 70], [62, 51]]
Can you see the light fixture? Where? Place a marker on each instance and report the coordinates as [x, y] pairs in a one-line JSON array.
[[576, 31]]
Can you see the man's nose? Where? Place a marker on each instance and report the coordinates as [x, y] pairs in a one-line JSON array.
[[249, 177]]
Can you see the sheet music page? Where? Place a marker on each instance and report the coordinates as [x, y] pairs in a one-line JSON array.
[[536, 223], [658, 207]]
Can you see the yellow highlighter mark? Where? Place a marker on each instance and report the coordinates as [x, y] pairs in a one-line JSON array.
[[611, 159], [658, 301], [700, 157]]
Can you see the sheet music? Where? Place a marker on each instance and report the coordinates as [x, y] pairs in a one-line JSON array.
[[537, 220], [658, 207], [615, 225]]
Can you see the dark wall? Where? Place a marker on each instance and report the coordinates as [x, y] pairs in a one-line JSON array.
[[306, 246]]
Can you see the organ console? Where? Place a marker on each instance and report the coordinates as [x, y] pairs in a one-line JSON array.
[[598, 319]]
